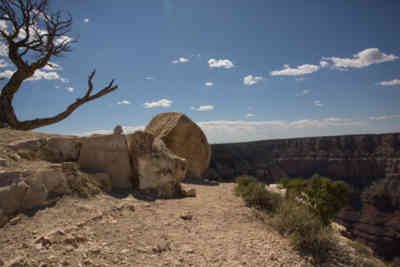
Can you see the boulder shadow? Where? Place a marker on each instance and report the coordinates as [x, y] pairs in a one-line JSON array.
[[197, 181]]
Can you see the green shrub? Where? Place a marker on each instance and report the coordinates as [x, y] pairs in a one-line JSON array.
[[304, 228], [255, 194], [284, 181], [243, 182], [321, 195]]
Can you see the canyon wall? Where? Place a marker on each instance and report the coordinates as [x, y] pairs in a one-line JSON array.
[[356, 159], [370, 163]]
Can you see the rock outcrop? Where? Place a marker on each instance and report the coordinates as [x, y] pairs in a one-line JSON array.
[[52, 149], [31, 189], [108, 154], [184, 138], [156, 168]]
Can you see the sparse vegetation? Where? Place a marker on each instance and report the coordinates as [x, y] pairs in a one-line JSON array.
[[304, 215], [306, 231], [255, 194], [323, 196]]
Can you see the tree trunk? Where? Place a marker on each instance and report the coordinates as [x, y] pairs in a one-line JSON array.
[[7, 113]]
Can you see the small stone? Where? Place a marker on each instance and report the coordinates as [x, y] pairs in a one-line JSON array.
[[15, 220], [187, 217], [187, 249], [124, 251], [163, 245], [14, 156], [118, 130], [190, 193]]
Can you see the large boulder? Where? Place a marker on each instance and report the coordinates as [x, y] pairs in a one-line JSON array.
[[155, 166], [184, 138], [109, 154]]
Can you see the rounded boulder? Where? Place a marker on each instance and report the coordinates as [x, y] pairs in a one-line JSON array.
[[184, 138]]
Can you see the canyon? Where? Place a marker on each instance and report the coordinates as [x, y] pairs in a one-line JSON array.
[[369, 163]]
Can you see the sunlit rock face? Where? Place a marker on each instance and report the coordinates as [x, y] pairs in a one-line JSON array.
[[108, 154], [156, 168], [184, 138]]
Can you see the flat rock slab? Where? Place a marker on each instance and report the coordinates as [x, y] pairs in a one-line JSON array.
[[109, 154], [53, 149]]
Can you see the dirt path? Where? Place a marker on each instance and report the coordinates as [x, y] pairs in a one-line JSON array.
[[212, 229]]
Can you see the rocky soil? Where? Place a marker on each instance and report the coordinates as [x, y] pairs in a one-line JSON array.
[[212, 229]]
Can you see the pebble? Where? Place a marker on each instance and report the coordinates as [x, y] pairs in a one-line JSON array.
[[15, 220]]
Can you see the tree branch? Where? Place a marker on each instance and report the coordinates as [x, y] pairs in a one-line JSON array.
[[36, 123]]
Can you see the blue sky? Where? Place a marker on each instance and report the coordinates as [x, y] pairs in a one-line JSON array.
[[242, 70]]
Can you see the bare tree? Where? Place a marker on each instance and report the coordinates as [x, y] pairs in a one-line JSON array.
[[33, 37]]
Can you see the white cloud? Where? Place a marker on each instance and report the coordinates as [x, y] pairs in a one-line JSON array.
[[7, 74], [203, 108], [225, 131], [149, 78], [70, 89], [124, 102], [304, 92], [3, 63], [209, 84], [318, 103], [300, 70], [164, 103], [385, 117], [249, 115], [250, 79], [220, 63], [3, 26], [390, 83], [86, 20], [362, 59], [300, 79], [3, 49], [180, 60], [39, 74], [63, 80], [33, 29], [62, 39], [52, 66], [323, 63]]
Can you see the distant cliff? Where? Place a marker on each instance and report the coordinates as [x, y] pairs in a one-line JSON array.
[[359, 160]]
